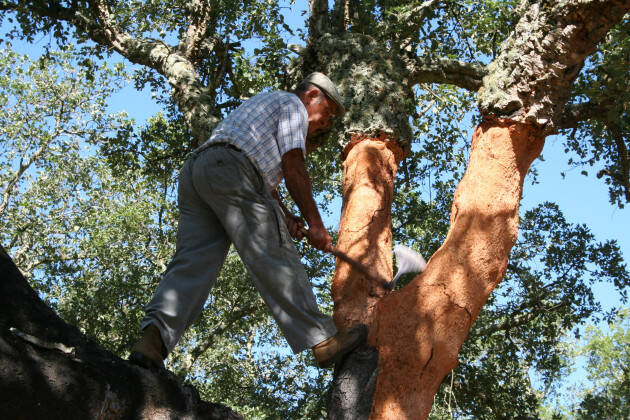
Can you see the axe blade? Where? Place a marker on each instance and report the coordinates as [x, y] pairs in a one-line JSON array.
[[408, 261]]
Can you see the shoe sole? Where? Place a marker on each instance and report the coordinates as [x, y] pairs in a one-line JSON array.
[[143, 361]]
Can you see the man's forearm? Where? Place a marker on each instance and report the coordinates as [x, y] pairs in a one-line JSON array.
[[299, 185]]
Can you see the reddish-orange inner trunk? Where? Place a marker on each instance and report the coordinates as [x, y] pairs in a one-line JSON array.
[[365, 229], [420, 329]]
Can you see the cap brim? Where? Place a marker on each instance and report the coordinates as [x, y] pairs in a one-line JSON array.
[[339, 109]]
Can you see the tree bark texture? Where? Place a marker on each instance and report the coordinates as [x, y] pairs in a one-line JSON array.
[[532, 78], [421, 328], [365, 229], [418, 331], [49, 370]]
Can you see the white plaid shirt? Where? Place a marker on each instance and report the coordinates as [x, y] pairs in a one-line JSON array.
[[265, 127]]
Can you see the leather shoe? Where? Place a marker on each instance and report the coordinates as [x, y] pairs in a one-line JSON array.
[[149, 351], [333, 349]]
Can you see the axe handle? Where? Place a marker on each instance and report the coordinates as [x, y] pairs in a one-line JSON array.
[[354, 263]]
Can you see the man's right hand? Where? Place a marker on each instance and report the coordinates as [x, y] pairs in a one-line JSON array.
[[319, 237]]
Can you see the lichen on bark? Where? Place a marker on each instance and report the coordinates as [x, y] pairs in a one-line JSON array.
[[531, 79], [372, 82]]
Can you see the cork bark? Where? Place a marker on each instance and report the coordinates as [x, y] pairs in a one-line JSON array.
[[420, 329], [417, 332], [364, 232]]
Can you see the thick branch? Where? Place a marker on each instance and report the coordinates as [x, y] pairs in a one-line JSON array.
[[200, 13], [576, 113], [44, 362], [433, 314], [465, 75], [531, 79], [194, 100], [622, 152], [340, 15], [318, 21]]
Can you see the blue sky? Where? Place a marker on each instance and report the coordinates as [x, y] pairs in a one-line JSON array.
[[582, 199]]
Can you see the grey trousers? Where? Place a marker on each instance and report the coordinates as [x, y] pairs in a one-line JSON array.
[[222, 199]]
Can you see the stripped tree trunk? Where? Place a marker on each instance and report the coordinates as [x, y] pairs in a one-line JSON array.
[[421, 328], [416, 333]]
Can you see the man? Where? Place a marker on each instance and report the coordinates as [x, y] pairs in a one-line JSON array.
[[227, 194]]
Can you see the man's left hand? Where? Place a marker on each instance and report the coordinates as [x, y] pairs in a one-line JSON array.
[[295, 225]]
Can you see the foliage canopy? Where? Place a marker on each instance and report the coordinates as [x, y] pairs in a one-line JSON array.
[[89, 205]]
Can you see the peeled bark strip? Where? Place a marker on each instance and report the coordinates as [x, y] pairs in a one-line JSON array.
[[365, 229], [421, 328]]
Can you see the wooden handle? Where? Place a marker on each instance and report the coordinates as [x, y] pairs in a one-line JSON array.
[[354, 263]]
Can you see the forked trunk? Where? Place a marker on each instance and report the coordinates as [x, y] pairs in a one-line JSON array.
[[418, 331]]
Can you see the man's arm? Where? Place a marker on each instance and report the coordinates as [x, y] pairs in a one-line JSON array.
[[294, 223], [299, 185]]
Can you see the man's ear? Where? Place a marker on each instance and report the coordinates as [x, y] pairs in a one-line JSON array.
[[312, 93]]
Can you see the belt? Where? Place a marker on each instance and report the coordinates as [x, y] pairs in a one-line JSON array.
[[207, 146]]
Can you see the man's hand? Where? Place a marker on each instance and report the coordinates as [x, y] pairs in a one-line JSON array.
[[319, 237], [295, 225]]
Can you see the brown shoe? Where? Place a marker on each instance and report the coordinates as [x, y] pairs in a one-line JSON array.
[[149, 351], [332, 350]]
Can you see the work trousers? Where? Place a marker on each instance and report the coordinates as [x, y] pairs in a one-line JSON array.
[[223, 199]]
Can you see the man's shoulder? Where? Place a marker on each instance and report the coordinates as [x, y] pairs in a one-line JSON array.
[[279, 96]]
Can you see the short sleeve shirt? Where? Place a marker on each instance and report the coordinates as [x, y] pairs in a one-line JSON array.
[[265, 127]]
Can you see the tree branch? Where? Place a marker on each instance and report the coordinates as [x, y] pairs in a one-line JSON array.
[[576, 113], [443, 70], [573, 114], [318, 21], [553, 40], [514, 321], [622, 152], [196, 35], [340, 16], [194, 100]]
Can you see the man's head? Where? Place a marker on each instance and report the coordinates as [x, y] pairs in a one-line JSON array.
[[322, 102]]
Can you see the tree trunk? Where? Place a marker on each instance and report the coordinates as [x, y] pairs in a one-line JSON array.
[[421, 328], [365, 229], [417, 332], [49, 369]]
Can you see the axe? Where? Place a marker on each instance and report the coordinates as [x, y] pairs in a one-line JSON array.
[[408, 260]]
